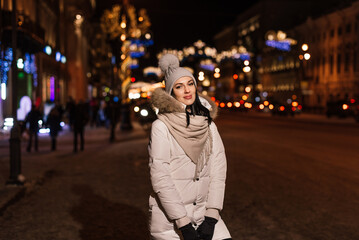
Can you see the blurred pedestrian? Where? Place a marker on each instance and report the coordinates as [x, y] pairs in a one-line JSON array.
[[81, 118], [93, 111], [60, 109], [187, 161], [101, 114], [113, 111], [70, 109], [109, 113], [32, 123], [53, 122]]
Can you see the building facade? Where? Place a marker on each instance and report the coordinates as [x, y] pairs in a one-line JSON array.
[[251, 28], [51, 51], [273, 32], [332, 73]]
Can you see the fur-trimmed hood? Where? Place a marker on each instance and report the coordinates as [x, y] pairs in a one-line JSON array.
[[165, 103]]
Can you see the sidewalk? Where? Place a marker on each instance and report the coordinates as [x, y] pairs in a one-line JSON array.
[[36, 165]]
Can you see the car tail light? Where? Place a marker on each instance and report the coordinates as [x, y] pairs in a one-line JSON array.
[[295, 104], [248, 105]]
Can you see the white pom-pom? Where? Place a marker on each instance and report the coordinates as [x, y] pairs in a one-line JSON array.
[[168, 61]]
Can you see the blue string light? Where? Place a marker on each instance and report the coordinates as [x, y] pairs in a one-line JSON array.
[[33, 69], [5, 64], [27, 63], [282, 45]]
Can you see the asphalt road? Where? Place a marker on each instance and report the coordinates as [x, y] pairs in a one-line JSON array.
[[287, 179], [291, 179]]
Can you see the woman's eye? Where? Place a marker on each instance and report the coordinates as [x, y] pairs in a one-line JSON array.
[[178, 87], [191, 83]]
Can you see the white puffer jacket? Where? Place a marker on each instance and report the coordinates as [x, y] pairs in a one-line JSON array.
[[175, 193]]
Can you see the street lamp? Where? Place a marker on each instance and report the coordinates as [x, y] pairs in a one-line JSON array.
[[15, 143], [306, 56], [304, 75], [305, 47]]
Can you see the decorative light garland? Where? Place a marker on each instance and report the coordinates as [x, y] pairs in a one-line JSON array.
[[200, 49]]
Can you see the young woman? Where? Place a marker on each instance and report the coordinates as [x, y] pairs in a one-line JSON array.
[[187, 161]]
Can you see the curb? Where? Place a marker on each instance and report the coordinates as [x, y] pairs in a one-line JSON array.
[[12, 195]]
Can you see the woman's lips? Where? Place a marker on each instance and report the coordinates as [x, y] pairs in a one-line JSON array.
[[187, 97]]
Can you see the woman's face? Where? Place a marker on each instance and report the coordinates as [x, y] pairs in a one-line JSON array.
[[184, 90]]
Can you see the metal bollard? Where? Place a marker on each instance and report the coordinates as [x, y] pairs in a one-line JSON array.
[[15, 157]]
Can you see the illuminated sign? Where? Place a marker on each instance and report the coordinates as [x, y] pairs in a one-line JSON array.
[[3, 91], [52, 88], [281, 45], [25, 107], [20, 63]]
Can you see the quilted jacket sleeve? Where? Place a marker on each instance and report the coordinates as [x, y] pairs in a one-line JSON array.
[[218, 170], [162, 183]]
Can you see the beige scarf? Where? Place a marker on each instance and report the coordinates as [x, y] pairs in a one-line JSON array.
[[195, 140]]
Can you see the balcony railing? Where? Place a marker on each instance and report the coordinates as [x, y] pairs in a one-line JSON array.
[[30, 34]]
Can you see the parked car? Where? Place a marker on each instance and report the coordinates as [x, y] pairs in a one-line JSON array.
[[144, 113], [342, 108]]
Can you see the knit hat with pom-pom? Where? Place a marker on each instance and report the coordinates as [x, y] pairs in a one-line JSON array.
[[170, 66]]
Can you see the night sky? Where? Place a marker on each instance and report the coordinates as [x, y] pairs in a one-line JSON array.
[[176, 24]]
